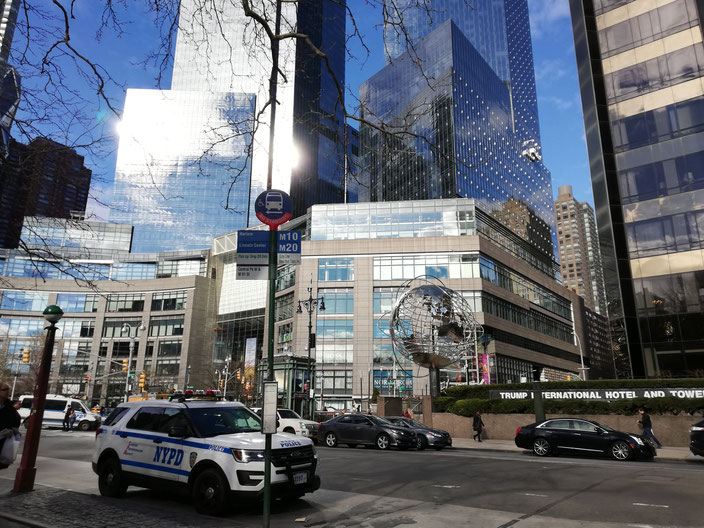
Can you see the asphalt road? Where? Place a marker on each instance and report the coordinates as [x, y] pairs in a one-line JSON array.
[[366, 487]]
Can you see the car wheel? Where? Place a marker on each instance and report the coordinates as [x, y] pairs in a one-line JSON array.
[[620, 451], [331, 440], [421, 443], [111, 481], [541, 447], [209, 492], [84, 425], [383, 441], [290, 430]]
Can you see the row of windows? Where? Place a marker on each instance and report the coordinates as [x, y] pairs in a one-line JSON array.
[[655, 74], [27, 301], [337, 300], [670, 234], [648, 27], [73, 302], [670, 294], [336, 269], [663, 178], [675, 120], [334, 381]]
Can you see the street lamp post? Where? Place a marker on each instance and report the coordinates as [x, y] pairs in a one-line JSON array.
[[24, 479], [310, 304], [127, 328], [582, 370]]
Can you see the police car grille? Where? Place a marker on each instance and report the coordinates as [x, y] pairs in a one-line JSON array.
[[292, 457]]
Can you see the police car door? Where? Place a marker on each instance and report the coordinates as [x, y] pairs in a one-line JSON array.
[[170, 453], [145, 452]]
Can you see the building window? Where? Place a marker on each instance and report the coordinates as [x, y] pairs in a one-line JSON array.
[[77, 302], [283, 307], [384, 299], [336, 269], [173, 300], [335, 328], [113, 328], [126, 303], [170, 348], [26, 301], [285, 277], [165, 326], [337, 300]]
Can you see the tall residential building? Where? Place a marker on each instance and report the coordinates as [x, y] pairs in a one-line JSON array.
[[453, 130], [194, 159], [640, 69], [578, 245], [43, 178]]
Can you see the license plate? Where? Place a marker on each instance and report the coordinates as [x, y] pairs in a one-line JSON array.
[[300, 478]]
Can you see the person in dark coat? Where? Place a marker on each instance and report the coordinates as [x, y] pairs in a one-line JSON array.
[[647, 425], [9, 417], [477, 425], [67, 418]]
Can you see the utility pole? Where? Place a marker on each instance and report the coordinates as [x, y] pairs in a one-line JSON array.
[[127, 328]]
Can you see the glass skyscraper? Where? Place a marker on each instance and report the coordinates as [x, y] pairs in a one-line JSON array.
[[454, 130], [641, 65], [220, 89]]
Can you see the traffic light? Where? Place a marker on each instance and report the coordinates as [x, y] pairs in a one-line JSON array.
[[222, 383], [87, 378], [247, 386], [238, 373], [124, 365], [25, 355], [142, 380]]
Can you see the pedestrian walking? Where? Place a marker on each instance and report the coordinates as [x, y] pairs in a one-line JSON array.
[[406, 414], [478, 426], [67, 419], [9, 417], [647, 425]]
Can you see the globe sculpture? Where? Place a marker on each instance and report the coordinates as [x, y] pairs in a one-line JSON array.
[[432, 325]]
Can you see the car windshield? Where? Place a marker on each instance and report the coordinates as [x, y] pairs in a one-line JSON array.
[[415, 424], [214, 421], [288, 413]]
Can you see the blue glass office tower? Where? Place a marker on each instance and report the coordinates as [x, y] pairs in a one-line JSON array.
[[192, 161], [452, 131], [498, 29]]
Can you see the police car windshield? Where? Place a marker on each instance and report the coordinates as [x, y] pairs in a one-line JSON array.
[[214, 421]]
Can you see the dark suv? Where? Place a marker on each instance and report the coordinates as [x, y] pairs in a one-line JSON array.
[[696, 438]]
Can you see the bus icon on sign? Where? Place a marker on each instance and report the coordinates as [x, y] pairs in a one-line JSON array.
[[274, 201]]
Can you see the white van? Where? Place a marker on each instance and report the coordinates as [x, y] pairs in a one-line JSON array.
[[55, 409]]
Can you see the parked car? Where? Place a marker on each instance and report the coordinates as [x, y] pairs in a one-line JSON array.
[[696, 438], [55, 408], [291, 422], [426, 436], [583, 437], [355, 429]]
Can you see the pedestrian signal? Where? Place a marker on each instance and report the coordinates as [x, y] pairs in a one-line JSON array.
[[25, 355]]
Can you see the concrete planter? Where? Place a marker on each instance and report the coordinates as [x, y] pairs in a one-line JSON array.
[[671, 430]]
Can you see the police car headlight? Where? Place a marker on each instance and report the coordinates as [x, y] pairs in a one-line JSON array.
[[244, 456]]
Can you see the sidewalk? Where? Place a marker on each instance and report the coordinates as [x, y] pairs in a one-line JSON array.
[[669, 454]]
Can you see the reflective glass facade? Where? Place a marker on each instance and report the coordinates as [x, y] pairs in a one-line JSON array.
[[640, 67], [498, 29], [454, 134], [183, 174]]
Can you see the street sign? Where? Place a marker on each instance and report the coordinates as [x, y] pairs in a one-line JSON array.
[[289, 247], [273, 208], [252, 272], [252, 247]]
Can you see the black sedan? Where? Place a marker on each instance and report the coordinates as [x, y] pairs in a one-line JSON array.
[[582, 437], [436, 438], [355, 429], [696, 438]]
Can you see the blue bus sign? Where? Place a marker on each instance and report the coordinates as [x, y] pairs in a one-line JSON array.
[[289, 251], [273, 208]]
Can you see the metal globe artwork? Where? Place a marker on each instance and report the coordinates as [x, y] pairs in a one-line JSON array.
[[433, 325]]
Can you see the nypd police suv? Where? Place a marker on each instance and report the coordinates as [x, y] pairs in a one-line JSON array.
[[214, 448]]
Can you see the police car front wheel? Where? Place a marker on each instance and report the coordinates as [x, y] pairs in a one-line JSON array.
[[210, 492], [111, 481]]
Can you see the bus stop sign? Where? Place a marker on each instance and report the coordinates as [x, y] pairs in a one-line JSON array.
[[273, 208]]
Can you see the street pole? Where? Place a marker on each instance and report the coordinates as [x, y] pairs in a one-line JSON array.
[[129, 366], [310, 304], [24, 478], [582, 370], [226, 374]]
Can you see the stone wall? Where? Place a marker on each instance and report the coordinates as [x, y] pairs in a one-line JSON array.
[[672, 431]]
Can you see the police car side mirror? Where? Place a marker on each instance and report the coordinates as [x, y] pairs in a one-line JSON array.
[[178, 431]]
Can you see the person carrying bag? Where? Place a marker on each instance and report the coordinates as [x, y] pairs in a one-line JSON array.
[[9, 428]]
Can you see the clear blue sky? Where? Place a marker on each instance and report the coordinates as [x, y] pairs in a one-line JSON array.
[[562, 127]]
